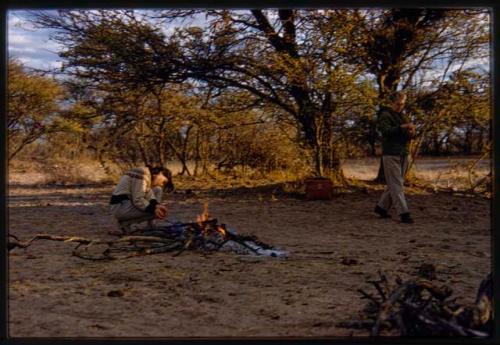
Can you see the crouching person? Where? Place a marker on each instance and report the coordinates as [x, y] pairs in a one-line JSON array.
[[137, 196]]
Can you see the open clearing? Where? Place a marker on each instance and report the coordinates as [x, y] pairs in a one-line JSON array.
[[53, 294]]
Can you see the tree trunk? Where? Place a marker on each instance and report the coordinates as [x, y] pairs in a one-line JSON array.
[[468, 141], [372, 137], [437, 145], [197, 153], [161, 151], [414, 149], [318, 161], [179, 156], [185, 151], [204, 153], [327, 164], [480, 140], [140, 145], [28, 139], [331, 160], [333, 168], [319, 137]]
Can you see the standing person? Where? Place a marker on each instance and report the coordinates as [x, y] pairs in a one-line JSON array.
[[137, 196], [397, 132]]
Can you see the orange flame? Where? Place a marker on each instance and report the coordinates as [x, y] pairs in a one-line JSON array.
[[204, 216], [221, 230], [201, 218]]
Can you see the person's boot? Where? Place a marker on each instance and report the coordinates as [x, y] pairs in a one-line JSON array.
[[406, 218], [381, 212]]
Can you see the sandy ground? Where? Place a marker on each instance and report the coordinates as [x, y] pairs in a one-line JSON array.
[[53, 294]]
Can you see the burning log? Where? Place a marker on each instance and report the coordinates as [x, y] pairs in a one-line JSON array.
[[204, 234], [421, 308]]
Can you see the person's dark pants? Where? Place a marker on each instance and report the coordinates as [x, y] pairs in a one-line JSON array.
[[126, 211]]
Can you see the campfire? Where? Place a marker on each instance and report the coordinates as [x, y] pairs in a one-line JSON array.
[[204, 235]]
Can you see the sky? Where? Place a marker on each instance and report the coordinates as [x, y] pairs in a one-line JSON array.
[[29, 45], [33, 47]]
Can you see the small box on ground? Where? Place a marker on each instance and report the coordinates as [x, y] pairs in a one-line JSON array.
[[319, 188]]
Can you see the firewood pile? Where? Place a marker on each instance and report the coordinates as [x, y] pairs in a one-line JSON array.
[[204, 235], [420, 307]]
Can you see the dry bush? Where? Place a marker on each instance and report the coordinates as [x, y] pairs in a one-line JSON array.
[[25, 172], [81, 172], [59, 172]]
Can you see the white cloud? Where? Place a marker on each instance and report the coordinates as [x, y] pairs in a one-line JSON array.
[[14, 21], [39, 63], [167, 30], [21, 50], [16, 39], [29, 45]]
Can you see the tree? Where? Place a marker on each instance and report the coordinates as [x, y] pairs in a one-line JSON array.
[[399, 45], [457, 114], [291, 61], [32, 107], [309, 67], [143, 127]]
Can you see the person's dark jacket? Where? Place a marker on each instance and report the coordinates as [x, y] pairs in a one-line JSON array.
[[395, 140]]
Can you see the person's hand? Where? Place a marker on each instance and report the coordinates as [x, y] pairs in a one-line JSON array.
[[410, 128], [160, 211], [407, 125]]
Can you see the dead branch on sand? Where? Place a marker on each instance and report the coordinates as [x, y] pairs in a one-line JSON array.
[[421, 308], [205, 235], [84, 244]]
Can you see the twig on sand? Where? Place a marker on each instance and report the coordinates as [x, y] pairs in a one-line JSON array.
[[84, 244], [420, 308]]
